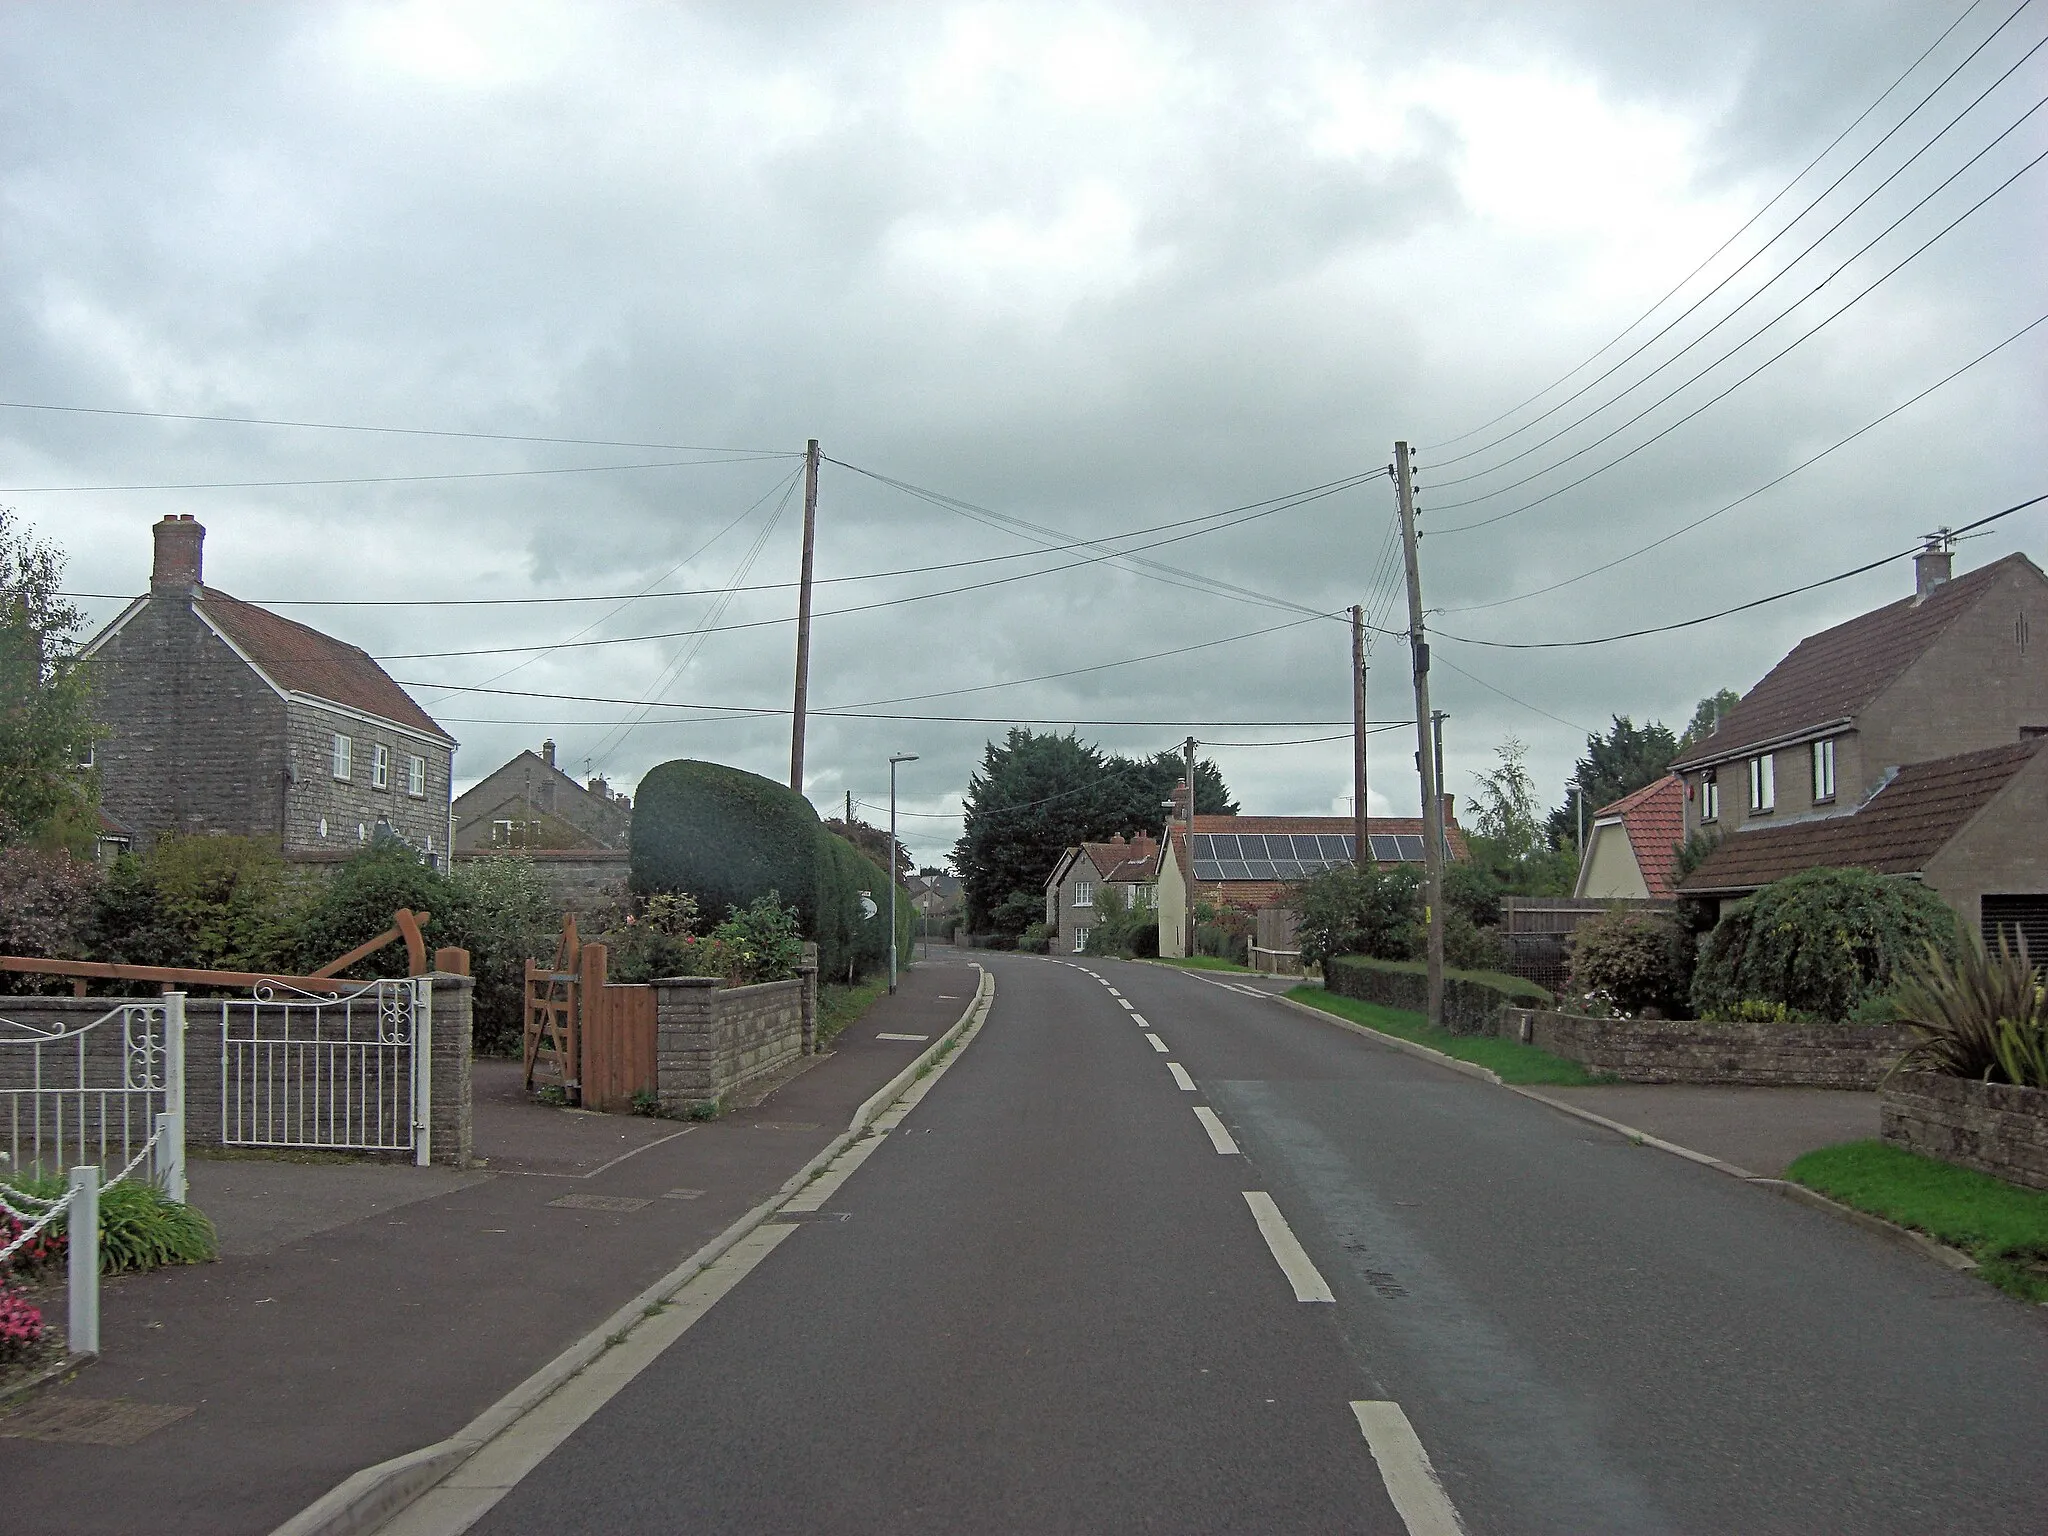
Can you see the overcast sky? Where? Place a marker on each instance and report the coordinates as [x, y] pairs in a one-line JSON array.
[[1097, 268]]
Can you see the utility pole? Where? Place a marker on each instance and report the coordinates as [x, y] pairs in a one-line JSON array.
[[1436, 726], [1187, 754], [849, 813], [803, 625], [1425, 748], [1361, 848]]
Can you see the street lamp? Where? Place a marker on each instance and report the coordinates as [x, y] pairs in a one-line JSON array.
[[901, 757]]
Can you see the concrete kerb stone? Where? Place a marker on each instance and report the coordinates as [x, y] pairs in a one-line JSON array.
[[1799, 1194], [371, 1498]]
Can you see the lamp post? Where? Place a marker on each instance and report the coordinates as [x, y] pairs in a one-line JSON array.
[[901, 757]]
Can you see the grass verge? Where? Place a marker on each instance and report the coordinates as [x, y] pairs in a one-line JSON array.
[[840, 1005], [1205, 963], [1512, 1060], [2002, 1226]]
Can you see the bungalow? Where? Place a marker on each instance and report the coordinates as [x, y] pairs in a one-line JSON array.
[[1632, 850]]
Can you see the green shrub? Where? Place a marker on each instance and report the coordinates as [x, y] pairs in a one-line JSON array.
[[1351, 911], [1821, 942], [141, 1227], [1472, 999], [504, 915], [1982, 1015], [1467, 946], [1472, 891], [1638, 961], [1036, 939], [356, 902]]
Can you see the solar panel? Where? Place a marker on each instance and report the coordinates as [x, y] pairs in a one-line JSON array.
[[1224, 845], [1259, 869], [1386, 849], [1336, 850], [1208, 869], [1236, 869], [1288, 870], [1411, 848]]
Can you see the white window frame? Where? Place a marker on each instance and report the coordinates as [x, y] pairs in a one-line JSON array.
[[416, 776], [1710, 797], [380, 766], [1084, 893], [1763, 784], [341, 764], [1081, 939], [1824, 771]]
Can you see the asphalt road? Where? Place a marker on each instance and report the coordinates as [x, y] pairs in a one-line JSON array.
[[1050, 1306]]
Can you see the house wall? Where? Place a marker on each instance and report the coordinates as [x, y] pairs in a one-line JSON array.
[[1173, 908], [1854, 782], [195, 738], [1610, 869], [352, 810], [526, 786], [2002, 852], [1070, 916], [580, 880]]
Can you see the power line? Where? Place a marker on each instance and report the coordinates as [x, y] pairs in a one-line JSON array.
[[1759, 490], [1723, 246], [1707, 618], [1754, 256], [1723, 394], [474, 474], [1511, 698]]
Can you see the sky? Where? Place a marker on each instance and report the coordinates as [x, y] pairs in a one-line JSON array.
[[1034, 276]]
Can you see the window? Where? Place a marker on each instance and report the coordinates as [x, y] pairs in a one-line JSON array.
[[1823, 771], [1080, 940], [344, 764], [1763, 784], [515, 834], [380, 766], [416, 776], [1710, 797], [1141, 896], [1084, 893]]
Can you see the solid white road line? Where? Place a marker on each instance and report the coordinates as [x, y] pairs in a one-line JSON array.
[[1293, 1259], [1181, 1080], [1411, 1481], [1139, 1020], [1158, 1044], [1219, 1138]]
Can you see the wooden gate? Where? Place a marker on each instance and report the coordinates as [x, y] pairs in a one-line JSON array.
[[593, 1040]]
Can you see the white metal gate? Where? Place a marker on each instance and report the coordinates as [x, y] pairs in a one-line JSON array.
[[97, 1093], [349, 1071]]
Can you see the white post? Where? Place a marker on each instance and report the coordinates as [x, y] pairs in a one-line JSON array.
[[82, 1223], [170, 1124], [422, 1071]]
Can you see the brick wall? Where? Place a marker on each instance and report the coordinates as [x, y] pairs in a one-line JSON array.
[[711, 1039], [1994, 1128], [1690, 1051]]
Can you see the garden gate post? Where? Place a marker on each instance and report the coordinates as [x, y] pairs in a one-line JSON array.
[[82, 1225], [422, 1069], [170, 1124]]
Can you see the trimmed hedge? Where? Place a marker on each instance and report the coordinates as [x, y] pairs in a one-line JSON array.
[[1472, 999], [729, 837]]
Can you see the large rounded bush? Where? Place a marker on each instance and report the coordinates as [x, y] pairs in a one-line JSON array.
[[1821, 942], [1640, 960]]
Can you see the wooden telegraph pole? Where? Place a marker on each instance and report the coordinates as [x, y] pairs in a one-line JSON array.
[[1362, 849], [803, 622], [1425, 745]]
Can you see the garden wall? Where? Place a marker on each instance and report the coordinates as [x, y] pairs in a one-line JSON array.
[[1692, 1051], [1994, 1128], [712, 1039]]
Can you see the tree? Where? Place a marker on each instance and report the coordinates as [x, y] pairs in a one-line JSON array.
[[46, 724], [1708, 716], [1505, 810], [1617, 764]]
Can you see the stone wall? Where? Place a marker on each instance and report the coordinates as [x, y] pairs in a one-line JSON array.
[[1691, 1051], [712, 1039], [1994, 1128], [452, 1092], [579, 880], [326, 812]]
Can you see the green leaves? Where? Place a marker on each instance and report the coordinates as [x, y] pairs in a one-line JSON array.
[[46, 721], [1981, 1014]]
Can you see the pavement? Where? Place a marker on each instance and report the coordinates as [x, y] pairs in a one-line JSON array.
[[363, 1310], [1760, 1130], [1157, 1254]]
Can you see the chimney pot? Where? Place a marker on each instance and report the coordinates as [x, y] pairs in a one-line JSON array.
[[180, 549]]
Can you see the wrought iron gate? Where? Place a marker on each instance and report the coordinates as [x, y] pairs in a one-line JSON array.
[[110, 1092], [349, 1071]]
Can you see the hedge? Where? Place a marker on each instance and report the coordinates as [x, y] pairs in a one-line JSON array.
[[1472, 999], [729, 837]]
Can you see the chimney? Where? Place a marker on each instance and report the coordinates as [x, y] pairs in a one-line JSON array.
[[179, 544], [547, 752], [1179, 799], [1450, 809], [1931, 566]]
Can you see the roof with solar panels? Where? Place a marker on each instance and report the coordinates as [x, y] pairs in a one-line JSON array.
[[1252, 859]]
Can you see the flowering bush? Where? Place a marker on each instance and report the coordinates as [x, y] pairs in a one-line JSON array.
[[21, 1325], [46, 1247], [1640, 961]]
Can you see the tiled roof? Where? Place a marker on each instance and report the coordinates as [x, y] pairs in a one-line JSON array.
[[302, 660], [1124, 863], [1263, 893], [1896, 832], [1654, 819], [1834, 674]]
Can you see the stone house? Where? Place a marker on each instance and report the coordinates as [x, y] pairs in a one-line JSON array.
[[1074, 891], [530, 803], [1835, 730], [224, 717], [1632, 849]]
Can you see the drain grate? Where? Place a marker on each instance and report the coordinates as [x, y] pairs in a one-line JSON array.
[[88, 1421], [600, 1203]]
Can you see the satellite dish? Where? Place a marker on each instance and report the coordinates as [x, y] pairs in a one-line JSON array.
[[867, 904]]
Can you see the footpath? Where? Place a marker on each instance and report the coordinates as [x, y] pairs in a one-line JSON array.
[[361, 1311]]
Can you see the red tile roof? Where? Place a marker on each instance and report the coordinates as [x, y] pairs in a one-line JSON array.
[[1834, 674], [302, 660], [1895, 832], [1124, 863], [1654, 820]]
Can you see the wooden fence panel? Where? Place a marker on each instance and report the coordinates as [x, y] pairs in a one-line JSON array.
[[618, 1037]]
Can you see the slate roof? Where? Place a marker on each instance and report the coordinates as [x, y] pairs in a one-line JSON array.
[[1833, 675], [302, 660], [1266, 893], [1895, 832], [1654, 820]]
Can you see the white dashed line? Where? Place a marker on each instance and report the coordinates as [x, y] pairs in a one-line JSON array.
[[1113, 991], [1181, 1080], [1139, 1019], [1126, 1002], [1293, 1259], [1411, 1481], [1219, 1138], [1158, 1044]]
